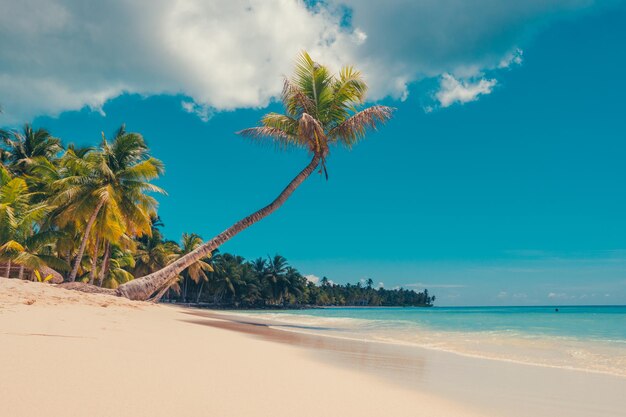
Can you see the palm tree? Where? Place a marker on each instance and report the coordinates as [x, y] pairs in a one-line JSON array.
[[320, 111], [112, 183], [295, 287], [117, 273], [29, 144], [248, 288], [228, 269], [276, 278], [22, 241], [153, 252], [5, 154], [198, 270]]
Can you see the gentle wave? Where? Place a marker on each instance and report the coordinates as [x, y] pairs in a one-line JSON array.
[[512, 345]]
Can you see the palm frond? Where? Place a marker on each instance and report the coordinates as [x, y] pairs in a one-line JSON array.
[[11, 246], [274, 136], [295, 100], [311, 130], [355, 127]]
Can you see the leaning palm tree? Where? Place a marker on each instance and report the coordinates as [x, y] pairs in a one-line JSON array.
[[321, 110]]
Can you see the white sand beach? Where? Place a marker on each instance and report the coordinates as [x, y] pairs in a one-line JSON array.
[[65, 353]]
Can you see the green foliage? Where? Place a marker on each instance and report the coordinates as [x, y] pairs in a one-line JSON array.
[[321, 109], [273, 283], [48, 193]]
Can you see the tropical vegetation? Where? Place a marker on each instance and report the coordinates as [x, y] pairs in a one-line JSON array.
[[90, 213]]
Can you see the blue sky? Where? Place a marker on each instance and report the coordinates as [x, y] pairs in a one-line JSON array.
[[501, 179]]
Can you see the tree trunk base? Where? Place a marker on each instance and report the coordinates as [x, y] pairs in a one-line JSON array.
[[88, 288]]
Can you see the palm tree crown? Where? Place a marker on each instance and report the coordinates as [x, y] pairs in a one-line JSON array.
[[321, 109], [29, 144]]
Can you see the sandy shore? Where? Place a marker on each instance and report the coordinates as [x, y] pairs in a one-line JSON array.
[[64, 353]]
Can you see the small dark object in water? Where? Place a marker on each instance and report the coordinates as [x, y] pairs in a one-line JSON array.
[[556, 310]]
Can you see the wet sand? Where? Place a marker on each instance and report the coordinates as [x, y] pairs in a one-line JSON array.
[[497, 387]]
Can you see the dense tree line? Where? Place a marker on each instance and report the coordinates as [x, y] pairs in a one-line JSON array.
[[272, 282]]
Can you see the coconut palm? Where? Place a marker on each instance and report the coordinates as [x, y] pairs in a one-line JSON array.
[[153, 252], [296, 285], [249, 286], [5, 154], [117, 273], [275, 278], [22, 241], [227, 277], [320, 111], [29, 144], [197, 271], [111, 183]]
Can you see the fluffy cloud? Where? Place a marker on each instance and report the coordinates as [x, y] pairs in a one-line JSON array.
[[312, 278], [408, 40], [454, 91], [203, 111], [58, 55]]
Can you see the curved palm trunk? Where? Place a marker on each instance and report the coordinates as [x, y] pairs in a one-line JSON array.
[[142, 288], [83, 243], [8, 274]]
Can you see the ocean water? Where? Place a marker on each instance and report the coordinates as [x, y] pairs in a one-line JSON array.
[[588, 338]]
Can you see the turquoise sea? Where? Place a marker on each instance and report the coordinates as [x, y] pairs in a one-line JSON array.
[[591, 338]]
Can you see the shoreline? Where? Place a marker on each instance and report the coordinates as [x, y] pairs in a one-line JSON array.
[[477, 378], [530, 350], [75, 354], [254, 320]]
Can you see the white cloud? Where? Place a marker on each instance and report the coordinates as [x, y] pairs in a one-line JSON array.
[[453, 91], [502, 294], [409, 40], [203, 111], [58, 55], [312, 278], [513, 58]]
